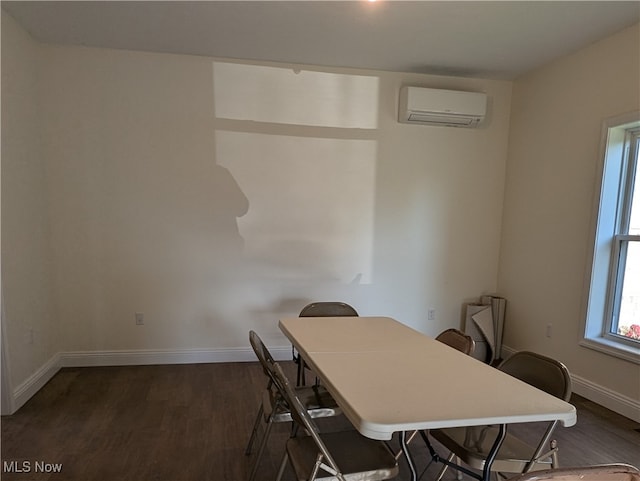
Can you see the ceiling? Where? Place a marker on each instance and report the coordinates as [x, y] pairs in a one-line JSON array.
[[497, 40]]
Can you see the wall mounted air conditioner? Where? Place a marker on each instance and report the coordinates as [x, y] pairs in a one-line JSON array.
[[451, 108]]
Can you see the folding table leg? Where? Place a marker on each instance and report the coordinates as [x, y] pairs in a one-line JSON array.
[[405, 449], [486, 472]]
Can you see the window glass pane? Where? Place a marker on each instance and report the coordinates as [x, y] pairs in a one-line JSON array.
[[634, 221], [629, 318]]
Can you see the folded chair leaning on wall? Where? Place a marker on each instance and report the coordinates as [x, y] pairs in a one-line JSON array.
[[472, 444], [345, 455], [320, 309], [315, 399], [603, 472]]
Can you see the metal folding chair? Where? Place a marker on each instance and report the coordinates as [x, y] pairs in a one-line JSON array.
[[273, 408], [472, 444], [455, 339], [338, 456], [320, 309]]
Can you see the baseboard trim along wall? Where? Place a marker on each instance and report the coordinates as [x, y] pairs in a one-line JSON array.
[[146, 357], [35, 382], [612, 400], [605, 397], [42, 376]]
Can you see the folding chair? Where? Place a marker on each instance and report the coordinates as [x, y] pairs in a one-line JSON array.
[[342, 456], [472, 444], [320, 309], [458, 340], [603, 472], [316, 401]]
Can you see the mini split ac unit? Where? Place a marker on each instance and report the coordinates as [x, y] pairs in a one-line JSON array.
[[451, 108]]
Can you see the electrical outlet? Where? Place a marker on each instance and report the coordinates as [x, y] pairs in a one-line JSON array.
[[139, 318], [549, 330], [431, 314]]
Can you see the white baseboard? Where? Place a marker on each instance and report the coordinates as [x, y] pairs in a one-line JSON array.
[[38, 379], [612, 400], [156, 357], [150, 357], [601, 395], [35, 382], [605, 397]]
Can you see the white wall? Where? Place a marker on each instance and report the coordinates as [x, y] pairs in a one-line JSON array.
[[28, 316], [142, 222], [551, 181], [343, 202]]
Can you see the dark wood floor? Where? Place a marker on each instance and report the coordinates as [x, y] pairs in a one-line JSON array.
[[191, 423]]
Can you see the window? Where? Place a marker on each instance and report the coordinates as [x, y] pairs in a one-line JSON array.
[[625, 279], [613, 308], [625, 319]]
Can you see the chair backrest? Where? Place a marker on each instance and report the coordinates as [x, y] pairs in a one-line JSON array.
[[259, 348], [457, 339], [546, 374], [604, 472], [320, 309], [328, 309], [301, 416], [543, 372], [263, 354]]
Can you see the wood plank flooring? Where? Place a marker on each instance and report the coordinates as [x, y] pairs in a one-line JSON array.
[[191, 423]]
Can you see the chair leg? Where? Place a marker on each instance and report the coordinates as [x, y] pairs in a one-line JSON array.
[[256, 425], [554, 455], [283, 466], [263, 444], [445, 467]]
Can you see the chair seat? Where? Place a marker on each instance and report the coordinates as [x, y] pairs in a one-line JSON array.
[[472, 445], [316, 399], [359, 458]]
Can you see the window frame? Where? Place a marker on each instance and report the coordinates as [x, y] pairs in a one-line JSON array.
[[610, 237], [622, 238]]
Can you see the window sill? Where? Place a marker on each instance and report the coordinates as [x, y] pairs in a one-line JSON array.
[[612, 348]]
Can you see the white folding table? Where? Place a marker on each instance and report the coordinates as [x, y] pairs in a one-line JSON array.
[[380, 373]]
